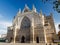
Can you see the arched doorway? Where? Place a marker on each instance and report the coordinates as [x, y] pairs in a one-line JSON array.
[[22, 39], [37, 39], [25, 29], [11, 39]]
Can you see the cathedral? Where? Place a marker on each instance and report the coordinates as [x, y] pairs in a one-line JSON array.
[[29, 26]]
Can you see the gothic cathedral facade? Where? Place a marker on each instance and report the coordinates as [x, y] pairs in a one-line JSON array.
[[30, 27]]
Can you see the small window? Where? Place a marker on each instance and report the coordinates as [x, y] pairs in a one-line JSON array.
[[46, 25]]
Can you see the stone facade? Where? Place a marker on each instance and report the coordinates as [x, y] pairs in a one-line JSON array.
[[30, 27]]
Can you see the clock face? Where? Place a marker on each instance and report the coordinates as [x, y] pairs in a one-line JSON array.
[[25, 23]]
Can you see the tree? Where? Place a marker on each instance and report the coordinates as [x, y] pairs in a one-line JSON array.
[[56, 4]]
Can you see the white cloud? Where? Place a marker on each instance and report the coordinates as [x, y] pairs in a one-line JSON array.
[[4, 25], [3, 31]]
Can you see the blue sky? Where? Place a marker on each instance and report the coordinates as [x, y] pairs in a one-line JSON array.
[[9, 8]]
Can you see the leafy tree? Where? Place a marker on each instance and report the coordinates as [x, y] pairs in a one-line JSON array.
[[56, 4]]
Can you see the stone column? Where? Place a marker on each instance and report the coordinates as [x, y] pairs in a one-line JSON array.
[[15, 36], [15, 33], [33, 29]]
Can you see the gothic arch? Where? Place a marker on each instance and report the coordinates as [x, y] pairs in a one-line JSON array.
[[22, 39], [25, 23], [25, 29]]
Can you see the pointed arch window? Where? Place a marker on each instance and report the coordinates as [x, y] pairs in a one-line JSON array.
[[26, 23]]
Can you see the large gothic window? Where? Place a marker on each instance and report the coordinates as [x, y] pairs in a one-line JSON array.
[[25, 29], [25, 23]]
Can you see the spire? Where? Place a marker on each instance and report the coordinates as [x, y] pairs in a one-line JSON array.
[[34, 9], [26, 9], [26, 6], [40, 12], [19, 10]]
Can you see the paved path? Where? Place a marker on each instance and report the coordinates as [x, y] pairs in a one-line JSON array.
[[25, 44]]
